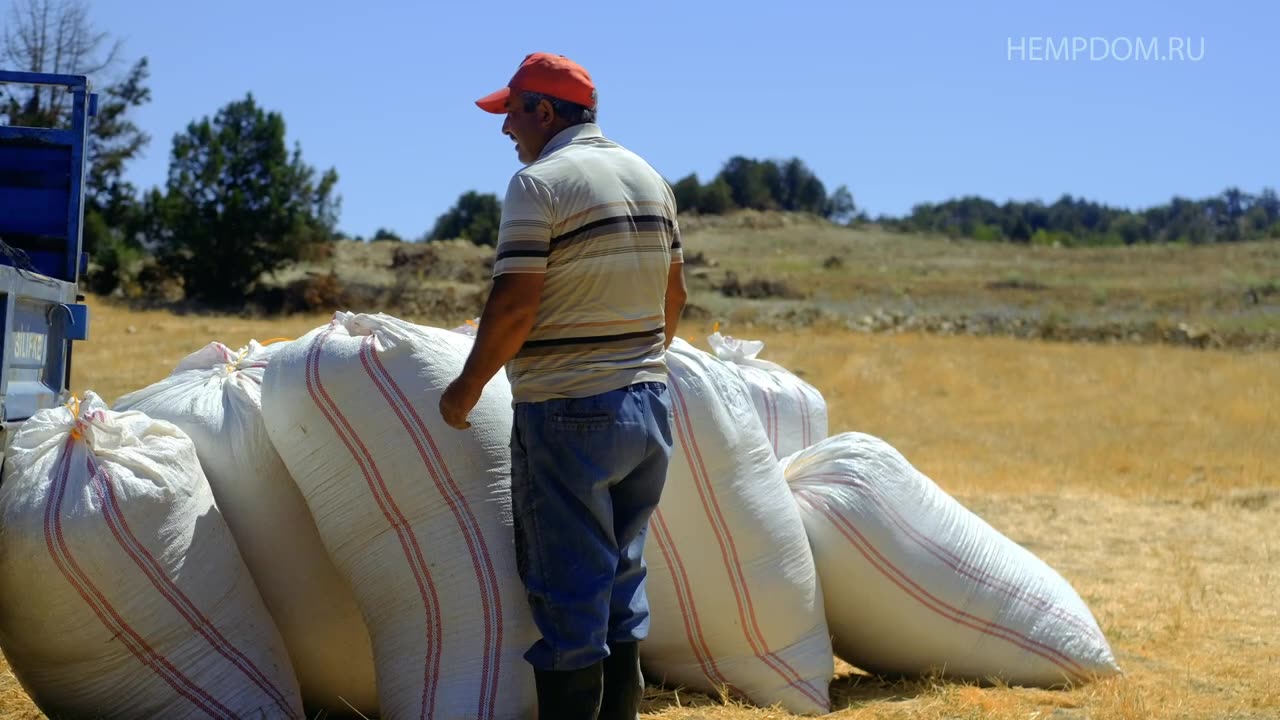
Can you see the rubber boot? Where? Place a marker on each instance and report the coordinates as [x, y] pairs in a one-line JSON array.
[[570, 694], [623, 682]]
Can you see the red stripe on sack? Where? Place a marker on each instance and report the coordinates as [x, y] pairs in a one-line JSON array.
[[942, 609], [107, 615], [767, 420], [684, 598], [776, 418], [961, 566], [113, 514], [806, 431], [481, 561], [775, 433], [373, 478], [742, 594], [741, 590]]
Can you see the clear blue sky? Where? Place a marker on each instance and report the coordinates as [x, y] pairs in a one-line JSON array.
[[903, 102]]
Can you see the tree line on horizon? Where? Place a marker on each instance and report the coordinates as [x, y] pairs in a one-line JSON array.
[[239, 203], [1230, 216]]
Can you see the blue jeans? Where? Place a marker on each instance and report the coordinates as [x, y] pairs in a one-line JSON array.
[[586, 474]]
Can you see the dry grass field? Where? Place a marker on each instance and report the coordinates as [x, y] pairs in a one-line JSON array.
[[1149, 476], [837, 274]]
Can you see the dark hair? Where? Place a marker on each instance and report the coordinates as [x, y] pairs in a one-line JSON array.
[[572, 112]]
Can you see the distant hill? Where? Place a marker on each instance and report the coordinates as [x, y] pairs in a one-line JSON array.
[[799, 269]]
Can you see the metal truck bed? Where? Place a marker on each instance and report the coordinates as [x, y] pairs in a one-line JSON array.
[[42, 176]]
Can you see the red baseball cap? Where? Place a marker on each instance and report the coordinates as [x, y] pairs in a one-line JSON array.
[[554, 75]]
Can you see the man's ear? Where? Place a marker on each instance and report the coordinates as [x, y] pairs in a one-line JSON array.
[[546, 113]]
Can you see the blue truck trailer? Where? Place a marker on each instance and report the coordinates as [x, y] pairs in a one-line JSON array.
[[42, 181]]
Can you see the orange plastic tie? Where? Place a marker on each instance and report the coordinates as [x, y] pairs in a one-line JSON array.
[[74, 406]]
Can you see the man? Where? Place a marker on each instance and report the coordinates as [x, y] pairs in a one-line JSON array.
[[587, 291]]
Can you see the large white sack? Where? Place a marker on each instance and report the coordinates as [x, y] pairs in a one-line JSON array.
[[793, 412], [916, 583], [734, 595], [122, 593], [215, 396], [414, 513]]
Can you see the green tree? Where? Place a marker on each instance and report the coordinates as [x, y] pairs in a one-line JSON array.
[[687, 191], [1269, 201], [840, 207], [716, 198], [1235, 202], [115, 139], [111, 205], [1021, 231], [801, 190], [475, 217], [751, 182], [986, 233], [1128, 228], [385, 235], [239, 204], [1231, 216], [1256, 220]]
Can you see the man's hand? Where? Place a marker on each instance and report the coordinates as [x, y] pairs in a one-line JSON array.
[[457, 402]]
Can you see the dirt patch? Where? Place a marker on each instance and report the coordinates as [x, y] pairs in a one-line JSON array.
[[424, 262], [757, 288], [1254, 500], [1016, 284]]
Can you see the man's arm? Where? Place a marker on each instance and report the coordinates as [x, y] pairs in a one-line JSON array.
[[677, 294], [524, 237], [504, 325]]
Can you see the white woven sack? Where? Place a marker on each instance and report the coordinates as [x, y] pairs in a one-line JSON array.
[[916, 583], [734, 595], [793, 412], [215, 396], [414, 513], [122, 593]]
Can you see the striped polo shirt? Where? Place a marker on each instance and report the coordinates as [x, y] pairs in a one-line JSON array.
[[601, 224]]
